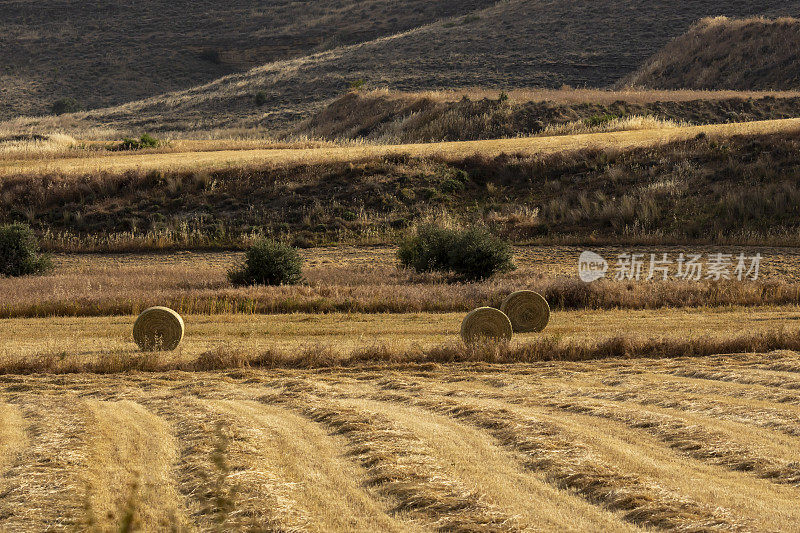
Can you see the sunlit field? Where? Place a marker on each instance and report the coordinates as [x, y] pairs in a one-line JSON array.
[[248, 157], [615, 445]]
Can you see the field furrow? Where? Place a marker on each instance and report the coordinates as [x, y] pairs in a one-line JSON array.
[[759, 503], [281, 457], [705, 401], [475, 460], [745, 376], [571, 465], [45, 488], [129, 479], [402, 467]]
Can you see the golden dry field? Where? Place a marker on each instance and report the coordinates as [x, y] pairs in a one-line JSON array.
[[194, 158], [699, 444]]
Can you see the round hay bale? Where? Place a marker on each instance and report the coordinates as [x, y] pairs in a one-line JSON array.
[[158, 328], [527, 310], [485, 323]]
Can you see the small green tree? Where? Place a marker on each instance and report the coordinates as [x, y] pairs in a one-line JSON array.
[[268, 263], [19, 252], [471, 254]]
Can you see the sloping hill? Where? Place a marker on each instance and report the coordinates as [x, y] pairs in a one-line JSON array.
[[105, 53], [720, 53], [515, 43], [433, 116]]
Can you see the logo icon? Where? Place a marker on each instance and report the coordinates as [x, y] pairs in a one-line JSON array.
[[591, 267]]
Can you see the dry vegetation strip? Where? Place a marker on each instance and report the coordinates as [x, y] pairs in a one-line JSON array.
[[447, 150], [104, 345], [369, 280]]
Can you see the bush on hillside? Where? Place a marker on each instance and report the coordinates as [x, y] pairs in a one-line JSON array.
[[262, 98], [471, 254], [268, 263], [65, 105], [129, 143], [19, 252]]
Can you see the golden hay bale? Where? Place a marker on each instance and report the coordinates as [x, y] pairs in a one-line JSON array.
[[158, 328], [485, 323], [527, 310]]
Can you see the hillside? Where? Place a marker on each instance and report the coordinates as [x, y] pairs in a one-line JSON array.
[[106, 53], [515, 43], [395, 117], [719, 183], [721, 53]]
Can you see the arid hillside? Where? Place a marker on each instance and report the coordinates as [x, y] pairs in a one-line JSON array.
[[721, 53], [516, 43], [105, 53], [716, 183], [434, 116]]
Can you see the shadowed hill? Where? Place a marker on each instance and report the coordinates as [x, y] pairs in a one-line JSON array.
[[105, 53], [720, 53], [511, 44]]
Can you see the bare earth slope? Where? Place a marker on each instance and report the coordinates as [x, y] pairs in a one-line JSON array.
[[518, 43], [720, 53], [104, 53]]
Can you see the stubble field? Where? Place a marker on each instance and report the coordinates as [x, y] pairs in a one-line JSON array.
[[703, 444]]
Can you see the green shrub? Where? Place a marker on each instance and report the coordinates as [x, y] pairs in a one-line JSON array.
[[268, 263], [65, 105], [261, 98], [471, 254], [357, 85], [599, 120], [19, 252], [129, 143]]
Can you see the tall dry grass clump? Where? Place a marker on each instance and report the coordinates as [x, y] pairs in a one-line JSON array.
[[545, 348]]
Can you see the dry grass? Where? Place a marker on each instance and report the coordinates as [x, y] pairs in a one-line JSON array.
[[226, 159], [723, 53], [568, 95], [391, 117], [368, 280], [542, 446], [105, 345], [630, 123]]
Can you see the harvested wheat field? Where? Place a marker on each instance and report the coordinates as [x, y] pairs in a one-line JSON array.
[[689, 444]]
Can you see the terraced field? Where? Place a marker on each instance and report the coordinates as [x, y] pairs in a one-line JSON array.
[[705, 444]]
